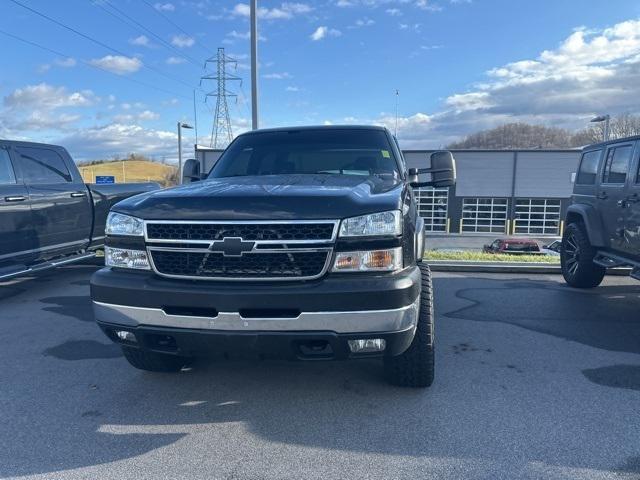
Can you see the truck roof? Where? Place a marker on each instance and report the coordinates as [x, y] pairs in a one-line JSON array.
[[26, 143], [609, 142], [315, 127]]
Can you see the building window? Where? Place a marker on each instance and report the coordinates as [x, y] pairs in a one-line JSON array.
[[537, 216], [484, 215], [432, 207]]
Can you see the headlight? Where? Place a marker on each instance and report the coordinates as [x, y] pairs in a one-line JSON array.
[[369, 261], [383, 223], [125, 258], [120, 224]]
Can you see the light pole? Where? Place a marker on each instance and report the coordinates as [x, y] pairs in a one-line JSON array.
[[606, 119], [180, 127], [254, 64]]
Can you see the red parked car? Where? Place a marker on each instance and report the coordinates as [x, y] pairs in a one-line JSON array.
[[515, 246]]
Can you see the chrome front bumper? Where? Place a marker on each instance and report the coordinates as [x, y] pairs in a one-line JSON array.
[[362, 321]]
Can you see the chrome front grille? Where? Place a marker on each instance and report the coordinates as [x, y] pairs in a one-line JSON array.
[[258, 250]]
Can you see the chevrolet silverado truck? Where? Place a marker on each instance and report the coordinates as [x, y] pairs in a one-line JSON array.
[[48, 215], [303, 243], [603, 221]]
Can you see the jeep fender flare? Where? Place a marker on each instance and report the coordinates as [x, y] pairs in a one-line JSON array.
[[590, 218]]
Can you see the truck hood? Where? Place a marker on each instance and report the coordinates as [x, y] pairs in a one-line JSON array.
[[268, 197]]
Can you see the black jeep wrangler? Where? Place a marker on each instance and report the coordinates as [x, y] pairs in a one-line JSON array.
[[303, 243], [603, 220]]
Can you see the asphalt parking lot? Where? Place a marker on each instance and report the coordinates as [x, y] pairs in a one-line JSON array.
[[534, 380]]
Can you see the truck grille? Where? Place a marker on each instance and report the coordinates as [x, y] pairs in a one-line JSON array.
[[262, 250], [246, 231], [248, 266]]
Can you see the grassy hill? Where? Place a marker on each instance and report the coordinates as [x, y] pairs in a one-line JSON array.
[[130, 171]]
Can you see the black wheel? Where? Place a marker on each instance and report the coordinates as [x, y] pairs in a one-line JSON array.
[[154, 362], [415, 367], [576, 258]]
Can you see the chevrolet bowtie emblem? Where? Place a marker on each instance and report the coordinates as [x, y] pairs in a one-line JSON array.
[[231, 246]]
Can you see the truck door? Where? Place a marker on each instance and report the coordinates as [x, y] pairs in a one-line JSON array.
[[631, 204], [17, 239], [60, 207], [613, 190]]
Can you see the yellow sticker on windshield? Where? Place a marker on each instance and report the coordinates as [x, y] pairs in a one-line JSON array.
[[385, 153]]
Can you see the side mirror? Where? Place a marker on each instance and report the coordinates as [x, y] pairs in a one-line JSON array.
[[442, 170], [191, 171]]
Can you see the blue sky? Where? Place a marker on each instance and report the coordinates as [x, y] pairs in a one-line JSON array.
[[459, 65]]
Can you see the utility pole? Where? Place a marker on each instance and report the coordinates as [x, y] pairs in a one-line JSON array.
[[395, 132], [180, 127], [254, 64], [607, 120], [221, 134]]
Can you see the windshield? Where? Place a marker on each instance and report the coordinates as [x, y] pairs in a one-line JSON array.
[[321, 151]]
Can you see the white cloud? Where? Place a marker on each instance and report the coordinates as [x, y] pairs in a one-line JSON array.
[[164, 7], [118, 64], [428, 5], [182, 41], [285, 11], [363, 22], [277, 76], [145, 115], [47, 96], [37, 108], [140, 41], [175, 60], [292, 88], [66, 62], [234, 35], [394, 12], [59, 62], [324, 31]]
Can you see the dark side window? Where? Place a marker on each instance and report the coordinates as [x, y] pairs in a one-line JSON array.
[[43, 165], [589, 168], [617, 164], [7, 175]]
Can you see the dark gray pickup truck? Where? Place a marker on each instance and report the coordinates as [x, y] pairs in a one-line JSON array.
[[603, 220], [48, 215]]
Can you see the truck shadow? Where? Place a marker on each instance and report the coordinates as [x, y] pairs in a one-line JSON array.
[[605, 317]]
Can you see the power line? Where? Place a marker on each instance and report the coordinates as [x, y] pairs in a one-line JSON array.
[[61, 54], [97, 42], [148, 30], [209, 52]]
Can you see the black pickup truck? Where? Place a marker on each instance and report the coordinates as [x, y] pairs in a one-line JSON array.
[[48, 215], [301, 242]]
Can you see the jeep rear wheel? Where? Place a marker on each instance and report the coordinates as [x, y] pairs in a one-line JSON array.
[[576, 259], [415, 366], [154, 362]]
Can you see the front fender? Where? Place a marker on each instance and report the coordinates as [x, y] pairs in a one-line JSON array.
[[591, 220]]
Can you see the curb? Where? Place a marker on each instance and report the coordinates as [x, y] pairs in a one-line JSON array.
[[505, 267], [492, 267]]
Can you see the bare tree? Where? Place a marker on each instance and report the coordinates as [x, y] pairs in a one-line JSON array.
[[524, 135]]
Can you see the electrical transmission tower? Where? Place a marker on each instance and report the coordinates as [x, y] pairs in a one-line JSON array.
[[221, 134]]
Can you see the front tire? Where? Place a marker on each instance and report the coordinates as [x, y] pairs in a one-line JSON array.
[[576, 258], [415, 367], [152, 361]]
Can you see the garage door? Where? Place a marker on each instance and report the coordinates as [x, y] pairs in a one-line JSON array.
[[432, 207]]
